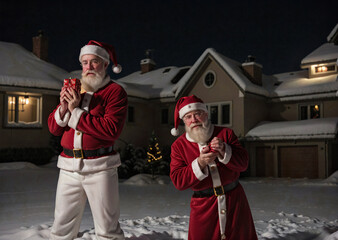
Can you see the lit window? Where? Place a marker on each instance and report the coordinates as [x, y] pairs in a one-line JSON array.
[[310, 111], [220, 113], [23, 111], [324, 69]]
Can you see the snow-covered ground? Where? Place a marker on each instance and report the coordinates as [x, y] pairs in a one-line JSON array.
[[299, 209]]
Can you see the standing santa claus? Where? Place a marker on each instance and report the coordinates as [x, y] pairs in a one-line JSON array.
[[208, 159], [89, 124]]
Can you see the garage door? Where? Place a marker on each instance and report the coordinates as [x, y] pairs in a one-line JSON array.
[[298, 162], [264, 162]]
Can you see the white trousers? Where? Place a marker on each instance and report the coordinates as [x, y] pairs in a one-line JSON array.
[[101, 189]]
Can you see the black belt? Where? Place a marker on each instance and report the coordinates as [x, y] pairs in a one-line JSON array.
[[80, 153], [217, 191]]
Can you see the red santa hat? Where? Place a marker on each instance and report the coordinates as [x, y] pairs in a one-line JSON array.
[[104, 51], [183, 106]]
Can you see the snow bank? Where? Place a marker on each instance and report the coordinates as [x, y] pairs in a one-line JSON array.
[[152, 209], [17, 165], [333, 178]]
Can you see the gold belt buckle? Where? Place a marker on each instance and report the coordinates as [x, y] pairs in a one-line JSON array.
[[78, 153], [219, 191]]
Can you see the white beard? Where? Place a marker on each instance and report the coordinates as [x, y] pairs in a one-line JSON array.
[[200, 134], [92, 83]]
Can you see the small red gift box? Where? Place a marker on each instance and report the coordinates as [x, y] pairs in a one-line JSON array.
[[73, 83]]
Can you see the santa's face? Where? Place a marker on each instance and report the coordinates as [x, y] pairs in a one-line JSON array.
[[197, 125], [93, 71]]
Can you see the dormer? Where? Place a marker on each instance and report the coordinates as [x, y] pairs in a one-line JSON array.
[[323, 60]]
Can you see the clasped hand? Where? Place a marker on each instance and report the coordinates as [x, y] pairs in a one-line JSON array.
[[207, 157], [69, 99]]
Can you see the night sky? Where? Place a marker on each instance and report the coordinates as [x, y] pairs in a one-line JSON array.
[[278, 33]]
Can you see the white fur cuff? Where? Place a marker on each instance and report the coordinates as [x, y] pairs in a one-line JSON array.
[[200, 175], [227, 154], [61, 122]]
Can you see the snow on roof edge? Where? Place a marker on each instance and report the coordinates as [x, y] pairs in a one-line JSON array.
[[326, 128], [332, 33]]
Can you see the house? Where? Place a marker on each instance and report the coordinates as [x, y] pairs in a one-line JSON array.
[[29, 91], [151, 103], [288, 122]]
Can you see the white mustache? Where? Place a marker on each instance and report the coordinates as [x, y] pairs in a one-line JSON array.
[[195, 125], [90, 71]]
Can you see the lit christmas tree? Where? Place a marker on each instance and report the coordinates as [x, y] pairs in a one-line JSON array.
[[154, 154]]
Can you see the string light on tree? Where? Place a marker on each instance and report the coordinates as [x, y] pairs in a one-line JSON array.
[[154, 153]]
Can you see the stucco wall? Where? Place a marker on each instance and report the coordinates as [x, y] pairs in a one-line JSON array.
[[289, 111], [330, 108], [223, 90], [28, 137]]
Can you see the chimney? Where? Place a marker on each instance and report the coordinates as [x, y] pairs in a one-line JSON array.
[[148, 63], [40, 46], [253, 70]]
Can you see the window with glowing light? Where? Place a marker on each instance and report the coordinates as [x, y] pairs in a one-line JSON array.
[[310, 111], [324, 69], [23, 111]]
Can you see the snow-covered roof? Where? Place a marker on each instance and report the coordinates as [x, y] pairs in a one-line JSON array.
[[21, 68], [297, 86], [333, 34], [326, 128], [232, 67], [328, 52], [157, 83]]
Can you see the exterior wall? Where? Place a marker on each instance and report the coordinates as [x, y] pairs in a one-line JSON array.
[[322, 150], [289, 111], [330, 108], [28, 137], [147, 118], [136, 132], [256, 111], [282, 111], [223, 90], [162, 131]]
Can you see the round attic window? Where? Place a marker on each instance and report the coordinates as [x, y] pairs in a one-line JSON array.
[[209, 79]]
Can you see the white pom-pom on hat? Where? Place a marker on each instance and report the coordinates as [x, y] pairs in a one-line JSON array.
[[175, 132], [117, 68]]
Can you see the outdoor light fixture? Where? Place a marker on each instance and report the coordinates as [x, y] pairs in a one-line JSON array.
[[321, 69], [23, 101]]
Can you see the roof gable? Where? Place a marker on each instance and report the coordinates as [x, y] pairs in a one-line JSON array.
[[231, 67], [284, 87]]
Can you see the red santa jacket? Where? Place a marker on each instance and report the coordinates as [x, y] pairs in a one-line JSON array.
[[185, 172], [97, 123]]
